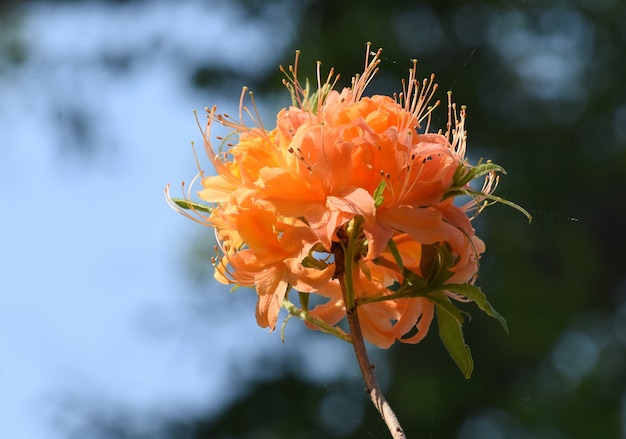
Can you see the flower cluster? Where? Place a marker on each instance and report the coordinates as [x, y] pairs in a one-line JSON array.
[[356, 178]]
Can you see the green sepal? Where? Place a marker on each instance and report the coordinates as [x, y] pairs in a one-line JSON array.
[[479, 298], [190, 205], [451, 334]]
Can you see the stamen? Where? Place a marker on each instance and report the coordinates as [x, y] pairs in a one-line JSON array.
[[259, 122], [360, 83], [222, 268], [455, 133], [318, 74], [197, 216], [195, 157], [208, 148], [297, 153], [244, 89], [478, 203], [294, 69], [325, 88], [292, 84]]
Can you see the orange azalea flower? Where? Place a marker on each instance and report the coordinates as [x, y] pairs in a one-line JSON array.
[[272, 261], [280, 197], [467, 249], [385, 322], [347, 144]]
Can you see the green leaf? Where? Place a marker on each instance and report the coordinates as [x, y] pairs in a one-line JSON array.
[[495, 199], [393, 248], [311, 262], [479, 170], [436, 259], [321, 324], [442, 301], [186, 204], [378, 193], [414, 285], [446, 260], [311, 101], [304, 300], [479, 298], [451, 334]]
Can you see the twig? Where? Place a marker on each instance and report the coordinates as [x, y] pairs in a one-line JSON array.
[[371, 384], [344, 271]]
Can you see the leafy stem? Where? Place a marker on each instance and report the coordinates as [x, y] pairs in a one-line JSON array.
[[294, 311]]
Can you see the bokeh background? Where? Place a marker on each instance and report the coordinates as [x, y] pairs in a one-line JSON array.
[[111, 325]]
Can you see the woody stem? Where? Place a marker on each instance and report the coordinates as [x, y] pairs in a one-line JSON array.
[[344, 270], [371, 384]]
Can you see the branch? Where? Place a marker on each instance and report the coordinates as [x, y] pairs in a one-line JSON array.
[[344, 268], [371, 384]]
